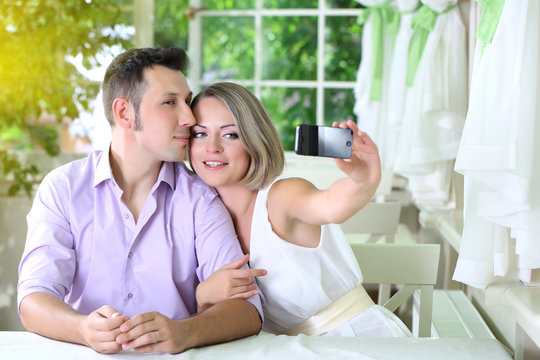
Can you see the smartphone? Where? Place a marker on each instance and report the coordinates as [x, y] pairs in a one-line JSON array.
[[327, 141]]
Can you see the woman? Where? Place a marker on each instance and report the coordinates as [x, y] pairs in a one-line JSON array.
[[286, 225]]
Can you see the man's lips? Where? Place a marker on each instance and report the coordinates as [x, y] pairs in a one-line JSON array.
[[182, 138]]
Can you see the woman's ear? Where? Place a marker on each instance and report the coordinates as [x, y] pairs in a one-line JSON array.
[[123, 112]]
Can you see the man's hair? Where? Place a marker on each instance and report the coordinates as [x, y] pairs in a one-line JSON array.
[[256, 131], [125, 77]]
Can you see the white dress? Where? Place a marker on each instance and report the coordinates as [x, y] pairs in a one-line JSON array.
[[301, 280]]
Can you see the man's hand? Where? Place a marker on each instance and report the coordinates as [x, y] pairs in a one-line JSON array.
[[101, 328], [154, 332], [47, 315], [228, 282], [151, 332]]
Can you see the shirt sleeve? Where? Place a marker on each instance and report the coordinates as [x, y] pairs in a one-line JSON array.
[[48, 262], [217, 244]]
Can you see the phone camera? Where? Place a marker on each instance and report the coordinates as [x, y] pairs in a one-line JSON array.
[[348, 143]]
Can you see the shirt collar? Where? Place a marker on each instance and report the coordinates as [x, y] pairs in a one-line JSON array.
[[104, 171], [167, 174], [103, 168]]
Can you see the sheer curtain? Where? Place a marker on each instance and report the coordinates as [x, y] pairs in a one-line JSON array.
[[397, 88], [499, 154], [372, 81], [435, 105]]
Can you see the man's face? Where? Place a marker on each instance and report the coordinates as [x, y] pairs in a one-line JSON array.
[[164, 114]]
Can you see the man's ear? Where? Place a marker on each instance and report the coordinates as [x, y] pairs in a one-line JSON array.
[[123, 112]]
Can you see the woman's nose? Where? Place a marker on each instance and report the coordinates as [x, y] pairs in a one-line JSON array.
[[213, 145]]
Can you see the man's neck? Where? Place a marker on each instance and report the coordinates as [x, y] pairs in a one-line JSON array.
[[135, 175]]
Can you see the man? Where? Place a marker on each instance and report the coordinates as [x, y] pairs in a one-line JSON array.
[[117, 242]]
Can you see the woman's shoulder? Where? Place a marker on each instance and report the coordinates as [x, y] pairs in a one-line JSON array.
[[288, 187]]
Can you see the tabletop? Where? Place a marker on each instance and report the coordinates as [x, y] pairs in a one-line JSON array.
[[25, 345]]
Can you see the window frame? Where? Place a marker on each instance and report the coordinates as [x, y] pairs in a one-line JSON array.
[[195, 46]]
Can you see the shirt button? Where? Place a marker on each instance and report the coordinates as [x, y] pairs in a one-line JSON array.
[[126, 216], [130, 296], [130, 254]]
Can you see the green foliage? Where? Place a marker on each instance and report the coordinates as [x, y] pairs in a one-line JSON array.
[[22, 175], [36, 36], [290, 4], [338, 105], [229, 4], [342, 48], [290, 48], [171, 23], [289, 108], [233, 43]]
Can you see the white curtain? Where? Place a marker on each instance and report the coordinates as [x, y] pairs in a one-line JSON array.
[[435, 109], [499, 154], [372, 112], [397, 89]]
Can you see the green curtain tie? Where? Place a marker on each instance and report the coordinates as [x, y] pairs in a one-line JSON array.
[[392, 27], [379, 15], [393, 19], [489, 20], [422, 24]]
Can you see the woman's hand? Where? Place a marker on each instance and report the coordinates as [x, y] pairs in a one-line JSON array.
[[364, 166], [228, 282]]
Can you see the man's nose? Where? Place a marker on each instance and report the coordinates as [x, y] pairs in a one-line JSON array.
[[186, 118]]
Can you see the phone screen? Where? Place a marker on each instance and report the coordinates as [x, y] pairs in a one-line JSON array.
[[314, 140]]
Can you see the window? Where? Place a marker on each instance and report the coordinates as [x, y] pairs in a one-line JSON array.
[[300, 57]]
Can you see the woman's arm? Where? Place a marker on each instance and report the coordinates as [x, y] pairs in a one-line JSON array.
[[295, 202]]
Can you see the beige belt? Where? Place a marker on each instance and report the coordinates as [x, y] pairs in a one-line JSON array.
[[346, 307]]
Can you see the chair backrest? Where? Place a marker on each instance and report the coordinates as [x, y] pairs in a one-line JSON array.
[[323, 171], [414, 266], [373, 222], [377, 219]]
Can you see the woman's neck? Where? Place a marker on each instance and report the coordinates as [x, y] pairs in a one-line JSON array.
[[240, 202]]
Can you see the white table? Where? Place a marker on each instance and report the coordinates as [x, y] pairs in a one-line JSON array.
[[23, 345]]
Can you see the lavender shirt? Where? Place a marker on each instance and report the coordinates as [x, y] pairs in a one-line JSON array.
[[83, 245]]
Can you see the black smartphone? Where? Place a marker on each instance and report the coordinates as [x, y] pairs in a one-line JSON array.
[[327, 141]]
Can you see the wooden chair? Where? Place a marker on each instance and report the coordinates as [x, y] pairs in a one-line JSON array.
[[414, 266], [376, 220]]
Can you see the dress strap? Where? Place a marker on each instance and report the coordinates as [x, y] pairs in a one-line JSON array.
[[343, 309]]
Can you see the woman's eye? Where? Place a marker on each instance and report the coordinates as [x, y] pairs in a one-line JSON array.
[[197, 134], [169, 102], [231, 136]]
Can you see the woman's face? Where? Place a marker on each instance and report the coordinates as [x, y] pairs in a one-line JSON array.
[[216, 151]]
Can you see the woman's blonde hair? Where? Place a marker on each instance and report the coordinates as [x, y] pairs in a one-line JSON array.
[[256, 130]]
